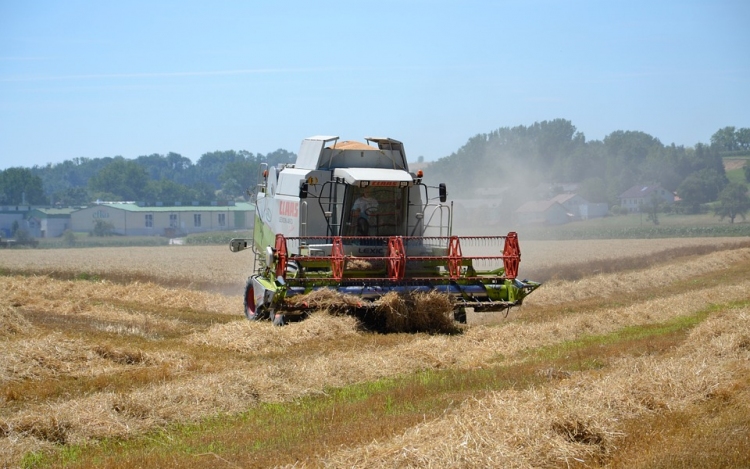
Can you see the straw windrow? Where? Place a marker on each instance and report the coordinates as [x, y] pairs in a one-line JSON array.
[[87, 360]]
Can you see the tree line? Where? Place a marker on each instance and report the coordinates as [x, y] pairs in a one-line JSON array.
[[519, 158], [516, 158], [219, 175]]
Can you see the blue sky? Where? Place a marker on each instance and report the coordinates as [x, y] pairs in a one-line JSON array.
[[98, 78]]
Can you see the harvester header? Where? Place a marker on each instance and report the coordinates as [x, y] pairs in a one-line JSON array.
[[351, 217]]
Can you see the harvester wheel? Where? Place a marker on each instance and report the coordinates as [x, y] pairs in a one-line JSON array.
[[281, 255], [252, 311]]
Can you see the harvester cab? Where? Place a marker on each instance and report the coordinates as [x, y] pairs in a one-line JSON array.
[[351, 217]]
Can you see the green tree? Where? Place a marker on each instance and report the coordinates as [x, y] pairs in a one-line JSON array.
[[691, 194], [203, 192], [123, 178], [167, 191], [72, 196], [594, 190], [212, 165], [69, 238], [73, 173], [553, 139], [631, 147], [21, 184], [733, 201], [706, 157], [238, 177], [494, 159], [701, 187], [274, 158], [173, 166], [102, 228], [746, 169], [231, 189], [742, 137], [662, 170], [725, 139]]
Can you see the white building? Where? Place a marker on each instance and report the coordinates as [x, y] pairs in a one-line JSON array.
[[149, 220], [580, 207], [633, 198]]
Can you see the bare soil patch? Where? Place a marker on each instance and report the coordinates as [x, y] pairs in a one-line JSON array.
[[734, 163]]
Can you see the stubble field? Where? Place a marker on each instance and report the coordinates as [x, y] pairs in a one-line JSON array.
[[635, 353], [218, 269]]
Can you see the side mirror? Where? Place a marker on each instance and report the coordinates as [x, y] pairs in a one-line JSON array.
[[303, 190], [443, 192]]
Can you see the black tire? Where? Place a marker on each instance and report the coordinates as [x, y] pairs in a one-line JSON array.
[[252, 311]]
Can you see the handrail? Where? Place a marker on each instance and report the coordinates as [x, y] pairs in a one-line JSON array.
[[441, 209], [303, 224]]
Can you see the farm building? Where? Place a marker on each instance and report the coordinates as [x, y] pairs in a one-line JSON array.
[[633, 198], [133, 219], [591, 210], [544, 212], [10, 215], [48, 222], [580, 207], [571, 202]]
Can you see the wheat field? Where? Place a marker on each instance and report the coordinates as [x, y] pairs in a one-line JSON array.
[[156, 338], [217, 268]]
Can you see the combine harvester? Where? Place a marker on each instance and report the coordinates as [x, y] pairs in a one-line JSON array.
[[350, 217]]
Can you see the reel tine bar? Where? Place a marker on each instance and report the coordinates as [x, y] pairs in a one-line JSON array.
[[396, 253]]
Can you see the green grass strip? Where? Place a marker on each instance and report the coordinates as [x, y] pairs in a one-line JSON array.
[[630, 333]]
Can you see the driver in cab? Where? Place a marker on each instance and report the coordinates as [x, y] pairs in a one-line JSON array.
[[363, 210]]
